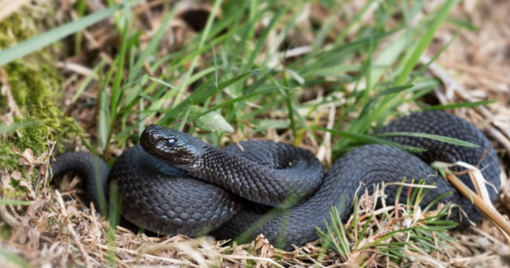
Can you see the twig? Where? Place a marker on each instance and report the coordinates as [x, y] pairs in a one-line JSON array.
[[77, 68], [324, 152], [488, 211]]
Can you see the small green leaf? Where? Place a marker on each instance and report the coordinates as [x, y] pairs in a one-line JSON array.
[[212, 121]]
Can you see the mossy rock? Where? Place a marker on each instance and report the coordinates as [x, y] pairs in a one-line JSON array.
[[34, 81]]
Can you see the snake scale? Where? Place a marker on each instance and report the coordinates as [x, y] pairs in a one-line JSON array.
[[173, 183]]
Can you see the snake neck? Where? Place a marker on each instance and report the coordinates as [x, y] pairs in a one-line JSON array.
[[244, 177], [274, 185]]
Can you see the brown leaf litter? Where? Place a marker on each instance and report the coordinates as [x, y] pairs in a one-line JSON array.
[[57, 229]]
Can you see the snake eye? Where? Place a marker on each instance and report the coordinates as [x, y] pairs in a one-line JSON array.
[[171, 142]]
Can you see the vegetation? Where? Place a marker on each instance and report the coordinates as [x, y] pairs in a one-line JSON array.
[[399, 235], [256, 68], [34, 78]]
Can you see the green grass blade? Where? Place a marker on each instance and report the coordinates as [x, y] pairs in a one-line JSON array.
[[440, 17], [87, 81], [26, 47], [198, 96], [14, 202], [152, 47], [356, 20], [12, 258], [459, 105], [117, 80], [203, 38], [15, 126], [437, 199], [387, 58], [432, 137], [367, 139], [232, 101], [426, 66], [463, 24]]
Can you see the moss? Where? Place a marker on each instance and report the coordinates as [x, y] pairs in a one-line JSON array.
[[33, 81], [16, 193], [5, 233]]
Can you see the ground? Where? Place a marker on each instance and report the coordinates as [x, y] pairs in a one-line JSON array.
[[276, 72]]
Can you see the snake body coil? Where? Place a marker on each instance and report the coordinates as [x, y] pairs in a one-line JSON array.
[[176, 184]]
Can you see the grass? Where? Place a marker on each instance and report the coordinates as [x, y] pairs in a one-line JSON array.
[[236, 79], [47, 38], [127, 95], [401, 234]]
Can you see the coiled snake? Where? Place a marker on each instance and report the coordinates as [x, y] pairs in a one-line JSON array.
[[173, 183]]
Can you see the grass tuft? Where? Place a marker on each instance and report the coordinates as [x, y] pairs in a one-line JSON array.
[[401, 235]]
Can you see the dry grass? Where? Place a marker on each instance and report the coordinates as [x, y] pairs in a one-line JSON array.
[[476, 67], [57, 229]]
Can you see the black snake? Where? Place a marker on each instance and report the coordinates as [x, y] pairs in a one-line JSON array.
[[173, 183]]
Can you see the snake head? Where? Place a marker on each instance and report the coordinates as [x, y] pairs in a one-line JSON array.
[[171, 146]]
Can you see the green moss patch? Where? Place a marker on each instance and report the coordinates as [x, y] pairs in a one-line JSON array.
[[34, 81]]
